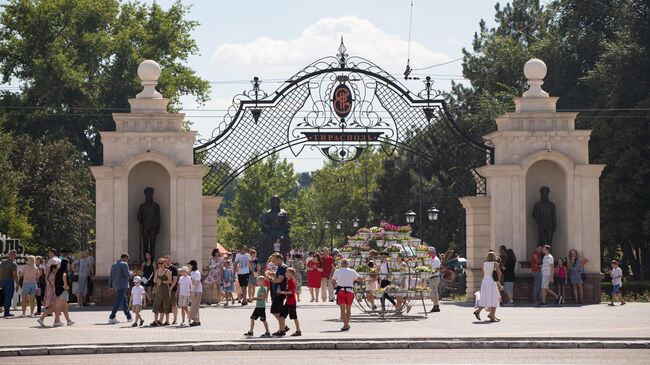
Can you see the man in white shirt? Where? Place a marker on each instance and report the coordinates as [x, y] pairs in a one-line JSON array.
[[242, 267], [434, 281], [343, 279], [548, 269]]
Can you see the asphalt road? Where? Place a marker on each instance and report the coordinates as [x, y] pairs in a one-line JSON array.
[[392, 357]]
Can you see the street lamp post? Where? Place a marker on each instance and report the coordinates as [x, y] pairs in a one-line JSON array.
[[313, 227], [432, 214], [355, 222], [410, 217]]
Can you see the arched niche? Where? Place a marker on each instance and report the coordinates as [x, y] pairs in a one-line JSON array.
[[546, 172], [141, 175]]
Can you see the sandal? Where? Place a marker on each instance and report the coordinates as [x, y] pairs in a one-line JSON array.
[[345, 329], [249, 333], [297, 333], [477, 314], [494, 319], [154, 324]]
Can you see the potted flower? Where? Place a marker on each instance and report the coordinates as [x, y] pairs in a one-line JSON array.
[[390, 229], [424, 271], [421, 250], [412, 262], [392, 288], [394, 251], [376, 230], [405, 229], [363, 232], [346, 251], [378, 240], [363, 269], [364, 250]]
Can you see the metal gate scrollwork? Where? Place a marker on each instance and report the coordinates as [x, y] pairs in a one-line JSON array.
[[339, 106]]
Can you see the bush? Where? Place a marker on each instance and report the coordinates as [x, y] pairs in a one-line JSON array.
[[633, 291]]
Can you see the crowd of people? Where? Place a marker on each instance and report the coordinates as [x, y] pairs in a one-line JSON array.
[[45, 284], [550, 278]]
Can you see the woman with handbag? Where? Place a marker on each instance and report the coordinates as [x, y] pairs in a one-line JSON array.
[[147, 276], [490, 296], [577, 274]]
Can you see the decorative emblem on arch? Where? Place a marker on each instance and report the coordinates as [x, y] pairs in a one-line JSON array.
[[339, 106]]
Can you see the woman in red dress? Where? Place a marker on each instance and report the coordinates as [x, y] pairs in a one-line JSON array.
[[314, 270]]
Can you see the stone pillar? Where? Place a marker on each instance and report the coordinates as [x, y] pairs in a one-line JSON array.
[[537, 146], [148, 148], [477, 209], [210, 214]]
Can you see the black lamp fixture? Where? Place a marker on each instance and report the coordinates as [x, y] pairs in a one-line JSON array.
[[313, 226], [339, 224], [326, 224], [410, 216], [432, 214], [355, 222]]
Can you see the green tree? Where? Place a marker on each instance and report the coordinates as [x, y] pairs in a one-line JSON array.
[[75, 59], [13, 210], [254, 190], [57, 185], [338, 192]]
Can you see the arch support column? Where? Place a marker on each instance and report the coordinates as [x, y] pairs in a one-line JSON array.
[[536, 147]]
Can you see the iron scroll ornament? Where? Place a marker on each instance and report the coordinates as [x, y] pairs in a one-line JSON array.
[[339, 106]]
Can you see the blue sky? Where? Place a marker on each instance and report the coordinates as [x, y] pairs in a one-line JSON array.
[[275, 39]]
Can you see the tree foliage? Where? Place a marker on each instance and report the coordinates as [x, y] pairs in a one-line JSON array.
[[13, 209], [254, 190], [597, 58], [75, 59]]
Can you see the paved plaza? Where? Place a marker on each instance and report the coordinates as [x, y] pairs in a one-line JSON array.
[[319, 321]]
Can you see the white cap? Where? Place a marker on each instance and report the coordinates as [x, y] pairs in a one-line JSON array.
[[535, 71], [149, 72], [137, 279]]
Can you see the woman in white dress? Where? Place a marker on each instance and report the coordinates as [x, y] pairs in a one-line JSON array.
[[490, 295]]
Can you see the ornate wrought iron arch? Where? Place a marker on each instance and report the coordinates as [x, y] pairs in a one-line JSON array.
[[339, 105]]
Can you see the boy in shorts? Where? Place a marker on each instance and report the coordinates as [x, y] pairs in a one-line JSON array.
[[260, 308], [184, 290], [138, 294], [617, 281], [289, 309]]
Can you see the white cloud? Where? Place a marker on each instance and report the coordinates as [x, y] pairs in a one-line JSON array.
[[362, 38]]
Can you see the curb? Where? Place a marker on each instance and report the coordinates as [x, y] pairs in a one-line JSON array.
[[327, 345]]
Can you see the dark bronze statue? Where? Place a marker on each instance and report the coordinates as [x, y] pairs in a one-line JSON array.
[[544, 215], [149, 219], [275, 227]]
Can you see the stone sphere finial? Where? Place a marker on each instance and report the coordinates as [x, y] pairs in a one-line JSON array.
[[149, 72], [535, 71]]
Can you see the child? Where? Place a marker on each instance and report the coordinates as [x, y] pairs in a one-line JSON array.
[[138, 294], [270, 268], [290, 303], [184, 291], [260, 308], [617, 282], [561, 277], [228, 282]]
